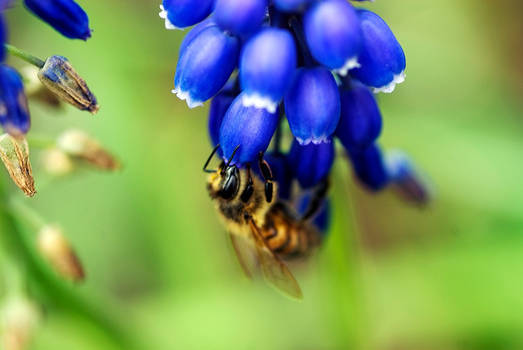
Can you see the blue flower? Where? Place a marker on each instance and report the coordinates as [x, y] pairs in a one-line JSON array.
[[14, 112], [205, 65], [267, 65], [248, 128], [333, 34], [360, 121], [193, 33], [382, 59], [291, 5], [240, 17], [311, 163], [219, 106], [66, 16], [322, 219], [312, 105], [184, 13], [369, 167]]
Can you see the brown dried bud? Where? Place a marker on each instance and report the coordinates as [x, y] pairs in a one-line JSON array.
[[80, 145], [34, 89], [57, 250], [14, 153], [19, 318], [59, 76], [56, 162]]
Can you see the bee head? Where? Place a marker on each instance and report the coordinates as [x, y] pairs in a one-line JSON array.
[[230, 182], [225, 182]]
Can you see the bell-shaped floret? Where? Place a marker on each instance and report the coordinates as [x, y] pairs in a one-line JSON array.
[[205, 65], [312, 163], [240, 17], [184, 13], [14, 112], [267, 66], [360, 121], [248, 130], [369, 167], [312, 105], [333, 34], [382, 58], [66, 16]]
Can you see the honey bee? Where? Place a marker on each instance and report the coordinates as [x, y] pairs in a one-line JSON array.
[[263, 230]]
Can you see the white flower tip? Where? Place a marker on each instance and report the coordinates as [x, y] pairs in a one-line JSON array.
[[350, 64], [389, 88], [260, 102], [313, 140], [168, 24], [185, 96]]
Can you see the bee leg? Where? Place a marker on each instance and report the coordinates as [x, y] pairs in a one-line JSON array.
[[317, 199], [249, 188], [267, 176]]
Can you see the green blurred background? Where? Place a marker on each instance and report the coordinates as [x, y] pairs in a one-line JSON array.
[[390, 276]]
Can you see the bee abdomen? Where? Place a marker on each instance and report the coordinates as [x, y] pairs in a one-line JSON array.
[[277, 238], [286, 240]]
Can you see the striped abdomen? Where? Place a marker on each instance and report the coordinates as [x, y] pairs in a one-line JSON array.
[[287, 236]]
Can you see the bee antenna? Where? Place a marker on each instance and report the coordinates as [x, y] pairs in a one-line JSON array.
[[232, 156], [209, 160]]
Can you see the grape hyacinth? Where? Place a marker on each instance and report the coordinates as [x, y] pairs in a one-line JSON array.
[[316, 64], [65, 16]]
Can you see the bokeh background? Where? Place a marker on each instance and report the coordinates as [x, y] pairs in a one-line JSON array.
[[390, 276]]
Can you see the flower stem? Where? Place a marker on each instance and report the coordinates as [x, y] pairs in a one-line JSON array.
[[24, 55], [297, 30], [17, 242], [277, 134], [22, 212]]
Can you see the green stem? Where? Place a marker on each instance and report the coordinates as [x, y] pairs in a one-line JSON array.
[[24, 55], [22, 212], [17, 242]]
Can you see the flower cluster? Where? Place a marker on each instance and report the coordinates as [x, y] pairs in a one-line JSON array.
[[315, 63]]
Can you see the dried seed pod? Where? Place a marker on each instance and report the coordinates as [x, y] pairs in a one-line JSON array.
[[14, 153], [57, 250], [19, 318], [56, 162], [79, 144], [34, 89], [59, 76]]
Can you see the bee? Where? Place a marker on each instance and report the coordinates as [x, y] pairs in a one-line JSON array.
[[263, 230]]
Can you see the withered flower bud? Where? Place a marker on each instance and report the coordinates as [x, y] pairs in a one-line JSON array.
[[56, 249], [79, 144], [34, 89], [59, 76], [408, 182], [56, 162], [19, 318], [14, 153]]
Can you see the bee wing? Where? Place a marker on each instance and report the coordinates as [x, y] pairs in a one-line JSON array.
[[274, 270], [244, 253]]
